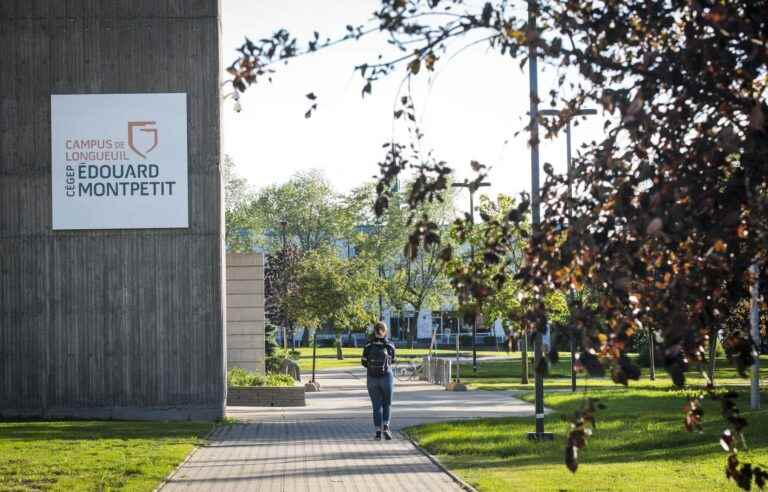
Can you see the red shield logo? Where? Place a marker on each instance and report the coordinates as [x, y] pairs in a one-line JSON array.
[[142, 137]]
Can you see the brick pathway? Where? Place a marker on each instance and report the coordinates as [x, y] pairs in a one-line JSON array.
[[329, 446], [308, 457]]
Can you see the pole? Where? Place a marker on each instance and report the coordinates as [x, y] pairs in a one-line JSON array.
[[754, 318], [573, 362], [458, 348], [381, 296], [569, 167], [314, 354], [472, 255], [569, 170], [524, 359], [283, 225], [651, 356], [472, 190], [539, 434]]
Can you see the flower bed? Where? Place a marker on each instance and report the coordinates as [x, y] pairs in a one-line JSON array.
[[254, 390]]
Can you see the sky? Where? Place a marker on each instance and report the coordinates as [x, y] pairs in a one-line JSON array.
[[469, 109]]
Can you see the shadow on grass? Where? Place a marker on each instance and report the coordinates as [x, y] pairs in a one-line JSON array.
[[45, 430], [636, 426]]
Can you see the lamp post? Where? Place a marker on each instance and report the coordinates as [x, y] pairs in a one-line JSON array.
[[283, 226], [754, 321], [569, 167], [313, 385], [472, 187], [533, 7]]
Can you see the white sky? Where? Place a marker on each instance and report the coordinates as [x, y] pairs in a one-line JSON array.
[[477, 102]]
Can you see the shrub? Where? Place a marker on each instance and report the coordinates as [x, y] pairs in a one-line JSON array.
[[466, 340], [238, 376], [294, 354], [274, 360], [275, 379], [489, 340], [270, 339]]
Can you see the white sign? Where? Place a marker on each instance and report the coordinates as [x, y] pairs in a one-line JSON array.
[[119, 161]]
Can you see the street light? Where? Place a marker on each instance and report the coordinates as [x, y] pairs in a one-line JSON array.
[[472, 187], [581, 112], [754, 321], [283, 226], [533, 7]]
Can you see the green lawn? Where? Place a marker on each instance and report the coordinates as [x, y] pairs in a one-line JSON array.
[[326, 356], [639, 444], [91, 455], [505, 375]]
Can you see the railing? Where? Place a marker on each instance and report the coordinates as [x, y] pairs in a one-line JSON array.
[[437, 371]]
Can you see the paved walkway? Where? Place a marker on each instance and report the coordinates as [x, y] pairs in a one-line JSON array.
[[328, 445]]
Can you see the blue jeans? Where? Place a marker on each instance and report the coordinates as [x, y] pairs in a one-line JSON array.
[[381, 389]]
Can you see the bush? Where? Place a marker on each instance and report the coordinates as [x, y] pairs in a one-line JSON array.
[[466, 340], [294, 354], [275, 379], [240, 377], [273, 361]]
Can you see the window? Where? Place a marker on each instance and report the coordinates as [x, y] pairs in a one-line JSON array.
[[400, 326]]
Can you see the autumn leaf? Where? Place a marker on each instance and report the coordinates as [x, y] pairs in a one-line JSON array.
[[415, 66]]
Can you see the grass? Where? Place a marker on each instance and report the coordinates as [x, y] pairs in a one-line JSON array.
[[639, 444], [93, 455], [326, 356], [506, 374]]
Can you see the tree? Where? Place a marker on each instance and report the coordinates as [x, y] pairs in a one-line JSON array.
[[332, 292], [505, 303], [237, 191], [237, 195], [671, 208], [315, 215], [272, 357], [421, 277], [279, 279], [480, 277], [380, 239], [416, 283]]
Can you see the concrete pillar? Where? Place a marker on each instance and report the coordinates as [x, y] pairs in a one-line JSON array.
[[109, 323], [245, 311]]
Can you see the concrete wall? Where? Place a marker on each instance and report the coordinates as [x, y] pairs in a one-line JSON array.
[[118, 323], [245, 311]]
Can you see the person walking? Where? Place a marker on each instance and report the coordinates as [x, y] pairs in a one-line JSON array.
[[378, 357]]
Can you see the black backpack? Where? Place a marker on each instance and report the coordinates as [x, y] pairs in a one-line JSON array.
[[379, 360]]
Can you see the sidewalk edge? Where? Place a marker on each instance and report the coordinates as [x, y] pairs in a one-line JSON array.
[[461, 483], [176, 469]]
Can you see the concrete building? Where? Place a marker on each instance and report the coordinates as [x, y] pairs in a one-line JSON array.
[[109, 323], [245, 311]]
